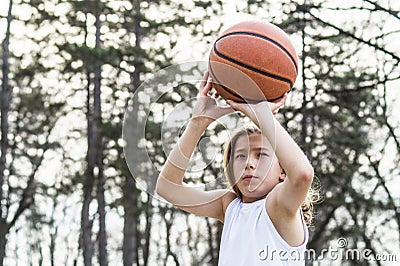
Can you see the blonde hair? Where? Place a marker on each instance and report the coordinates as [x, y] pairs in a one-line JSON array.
[[312, 196]]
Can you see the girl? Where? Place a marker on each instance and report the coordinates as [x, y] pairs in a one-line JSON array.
[[270, 177]]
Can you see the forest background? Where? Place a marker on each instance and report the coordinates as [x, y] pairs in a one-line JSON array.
[[71, 69]]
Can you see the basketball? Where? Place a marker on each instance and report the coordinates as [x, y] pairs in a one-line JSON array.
[[253, 61]]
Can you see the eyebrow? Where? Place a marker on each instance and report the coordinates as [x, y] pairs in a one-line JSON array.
[[257, 149]]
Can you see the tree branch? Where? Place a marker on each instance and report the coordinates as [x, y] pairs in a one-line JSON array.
[[381, 8], [390, 128], [375, 166], [351, 35]]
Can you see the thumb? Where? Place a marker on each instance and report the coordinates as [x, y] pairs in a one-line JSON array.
[[276, 106], [241, 107], [234, 105]]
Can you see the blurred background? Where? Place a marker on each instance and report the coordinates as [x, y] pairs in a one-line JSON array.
[[69, 70]]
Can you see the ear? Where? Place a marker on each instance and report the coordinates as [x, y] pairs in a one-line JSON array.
[[282, 176]]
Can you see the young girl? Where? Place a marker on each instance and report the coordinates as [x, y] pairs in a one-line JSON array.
[[270, 177]]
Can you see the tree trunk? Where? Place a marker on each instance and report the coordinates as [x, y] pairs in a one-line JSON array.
[[130, 248], [149, 223], [98, 147], [132, 234], [304, 86], [4, 229], [103, 257], [131, 213], [86, 222], [95, 167], [52, 248], [5, 97]]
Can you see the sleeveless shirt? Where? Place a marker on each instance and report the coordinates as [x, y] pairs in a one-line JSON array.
[[250, 238]]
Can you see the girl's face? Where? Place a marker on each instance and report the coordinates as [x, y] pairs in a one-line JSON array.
[[255, 167]]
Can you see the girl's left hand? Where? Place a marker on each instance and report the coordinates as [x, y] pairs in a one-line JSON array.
[[206, 109]]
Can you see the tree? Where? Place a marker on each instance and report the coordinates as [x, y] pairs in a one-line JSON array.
[[29, 114], [5, 97]]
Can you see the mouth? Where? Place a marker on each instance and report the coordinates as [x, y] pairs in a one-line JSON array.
[[248, 177]]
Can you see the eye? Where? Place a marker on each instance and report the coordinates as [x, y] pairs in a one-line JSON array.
[[261, 154], [240, 156]]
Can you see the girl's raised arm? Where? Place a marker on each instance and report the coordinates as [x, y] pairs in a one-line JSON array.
[[170, 184]]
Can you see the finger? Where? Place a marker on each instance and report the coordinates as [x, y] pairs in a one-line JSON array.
[[279, 104], [234, 105], [285, 96], [214, 94], [283, 99], [204, 81], [207, 88], [275, 107]]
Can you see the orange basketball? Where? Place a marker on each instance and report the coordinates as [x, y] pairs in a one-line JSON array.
[[253, 61]]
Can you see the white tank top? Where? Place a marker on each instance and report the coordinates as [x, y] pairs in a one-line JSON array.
[[250, 238]]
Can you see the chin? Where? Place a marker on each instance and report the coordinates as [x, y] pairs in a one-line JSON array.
[[256, 194]]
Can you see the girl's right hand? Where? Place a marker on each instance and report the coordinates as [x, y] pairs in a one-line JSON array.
[[253, 110], [206, 109]]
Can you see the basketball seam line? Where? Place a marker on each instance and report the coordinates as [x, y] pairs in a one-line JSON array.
[[238, 95], [253, 69], [265, 38]]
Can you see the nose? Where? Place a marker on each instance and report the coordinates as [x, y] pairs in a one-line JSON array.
[[251, 163]]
